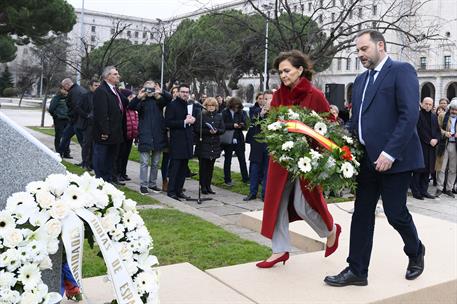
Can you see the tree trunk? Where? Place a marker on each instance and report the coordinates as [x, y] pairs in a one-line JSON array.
[[43, 106], [22, 96]]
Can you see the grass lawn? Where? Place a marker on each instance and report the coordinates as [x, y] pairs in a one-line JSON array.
[[180, 237]]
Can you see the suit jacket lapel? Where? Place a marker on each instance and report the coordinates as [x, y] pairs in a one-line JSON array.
[[369, 96], [357, 97]]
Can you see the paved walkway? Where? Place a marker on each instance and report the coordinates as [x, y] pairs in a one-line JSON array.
[[225, 207]]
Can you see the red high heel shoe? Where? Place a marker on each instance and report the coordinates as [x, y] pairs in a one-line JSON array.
[[265, 264], [330, 250]]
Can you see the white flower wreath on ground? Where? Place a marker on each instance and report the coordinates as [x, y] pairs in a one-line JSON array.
[[32, 222], [312, 146]]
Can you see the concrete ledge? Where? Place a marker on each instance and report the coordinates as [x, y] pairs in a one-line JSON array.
[[301, 279], [179, 284]]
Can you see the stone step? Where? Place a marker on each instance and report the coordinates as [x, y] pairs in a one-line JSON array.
[[301, 279], [179, 283]]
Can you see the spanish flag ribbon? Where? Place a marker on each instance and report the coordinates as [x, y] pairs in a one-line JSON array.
[[296, 126]]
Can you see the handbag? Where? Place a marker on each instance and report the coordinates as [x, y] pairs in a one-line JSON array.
[[227, 137]]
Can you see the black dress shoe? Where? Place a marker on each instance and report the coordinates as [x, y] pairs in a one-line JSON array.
[[345, 278], [118, 183], [416, 266], [449, 193], [250, 197], [204, 191], [419, 197], [173, 196], [428, 195], [68, 156], [126, 177], [183, 196], [210, 191]]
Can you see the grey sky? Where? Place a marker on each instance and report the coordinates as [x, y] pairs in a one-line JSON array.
[[150, 9]]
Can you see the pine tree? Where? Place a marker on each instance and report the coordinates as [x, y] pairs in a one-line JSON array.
[[6, 80]]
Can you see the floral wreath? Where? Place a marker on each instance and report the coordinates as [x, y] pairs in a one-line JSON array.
[[325, 157], [33, 221]]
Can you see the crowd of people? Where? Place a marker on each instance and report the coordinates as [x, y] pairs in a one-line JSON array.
[[167, 127]]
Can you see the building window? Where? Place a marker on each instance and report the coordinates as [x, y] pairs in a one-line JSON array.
[[310, 6], [360, 12], [338, 64], [92, 38], [320, 19], [348, 64], [302, 7], [375, 9], [129, 34], [333, 17], [93, 28], [359, 26], [447, 62], [357, 64], [136, 34], [295, 8], [373, 24], [334, 2], [351, 14], [423, 63], [151, 35], [322, 3], [112, 31], [145, 35]]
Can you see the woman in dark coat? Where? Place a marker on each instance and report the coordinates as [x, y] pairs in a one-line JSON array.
[[288, 200], [208, 145]]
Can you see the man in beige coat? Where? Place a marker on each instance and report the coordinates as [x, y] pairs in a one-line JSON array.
[[447, 153]]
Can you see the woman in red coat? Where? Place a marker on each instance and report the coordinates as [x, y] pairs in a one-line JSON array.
[[288, 200]]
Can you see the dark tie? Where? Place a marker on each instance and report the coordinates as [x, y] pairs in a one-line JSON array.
[[119, 101], [371, 74]]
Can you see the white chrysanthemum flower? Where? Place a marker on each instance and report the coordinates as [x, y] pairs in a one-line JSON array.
[[293, 115], [45, 263], [320, 128], [24, 254], [19, 199], [129, 205], [24, 211], [330, 163], [12, 237], [131, 266], [74, 197], [99, 199], [6, 221], [115, 214], [29, 297], [285, 158], [304, 164], [37, 249], [108, 223], [132, 220], [287, 145], [7, 279], [35, 187], [57, 183], [10, 259], [347, 169], [315, 155], [146, 261], [275, 126], [53, 246], [54, 227], [146, 281], [45, 199], [38, 219], [29, 275], [59, 210], [10, 296], [348, 139]]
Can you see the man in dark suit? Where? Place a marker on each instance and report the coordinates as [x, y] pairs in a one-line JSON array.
[[429, 134], [109, 107], [179, 118], [385, 112]]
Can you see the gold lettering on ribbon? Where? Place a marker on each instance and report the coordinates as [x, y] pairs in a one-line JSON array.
[[105, 242], [75, 253], [116, 266], [127, 294]]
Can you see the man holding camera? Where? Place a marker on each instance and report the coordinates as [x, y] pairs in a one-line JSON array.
[[180, 118], [446, 154], [149, 103]]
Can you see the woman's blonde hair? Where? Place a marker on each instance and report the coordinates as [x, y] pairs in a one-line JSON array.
[[211, 101]]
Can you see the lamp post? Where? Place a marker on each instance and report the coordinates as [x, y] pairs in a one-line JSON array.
[[265, 68], [78, 71], [162, 41]]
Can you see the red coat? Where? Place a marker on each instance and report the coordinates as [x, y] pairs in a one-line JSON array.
[[306, 96]]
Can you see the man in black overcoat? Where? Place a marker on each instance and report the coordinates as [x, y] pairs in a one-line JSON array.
[[429, 134], [179, 118]]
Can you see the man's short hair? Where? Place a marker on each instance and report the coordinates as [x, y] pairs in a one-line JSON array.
[[93, 80], [149, 82], [375, 36], [183, 85], [107, 71]]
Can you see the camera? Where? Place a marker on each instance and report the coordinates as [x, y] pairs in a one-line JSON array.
[[149, 90]]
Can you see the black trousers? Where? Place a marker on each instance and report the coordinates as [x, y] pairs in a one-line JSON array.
[[123, 157], [239, 152], [177, 176], [205, 171], [392, 188], [419, 183], [87, 146], [104, 161], [59, 127]]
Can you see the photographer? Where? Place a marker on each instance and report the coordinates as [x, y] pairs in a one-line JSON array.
[[234, 119], [150, 103]]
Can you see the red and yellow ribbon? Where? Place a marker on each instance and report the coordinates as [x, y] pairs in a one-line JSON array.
[[296, 126]]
